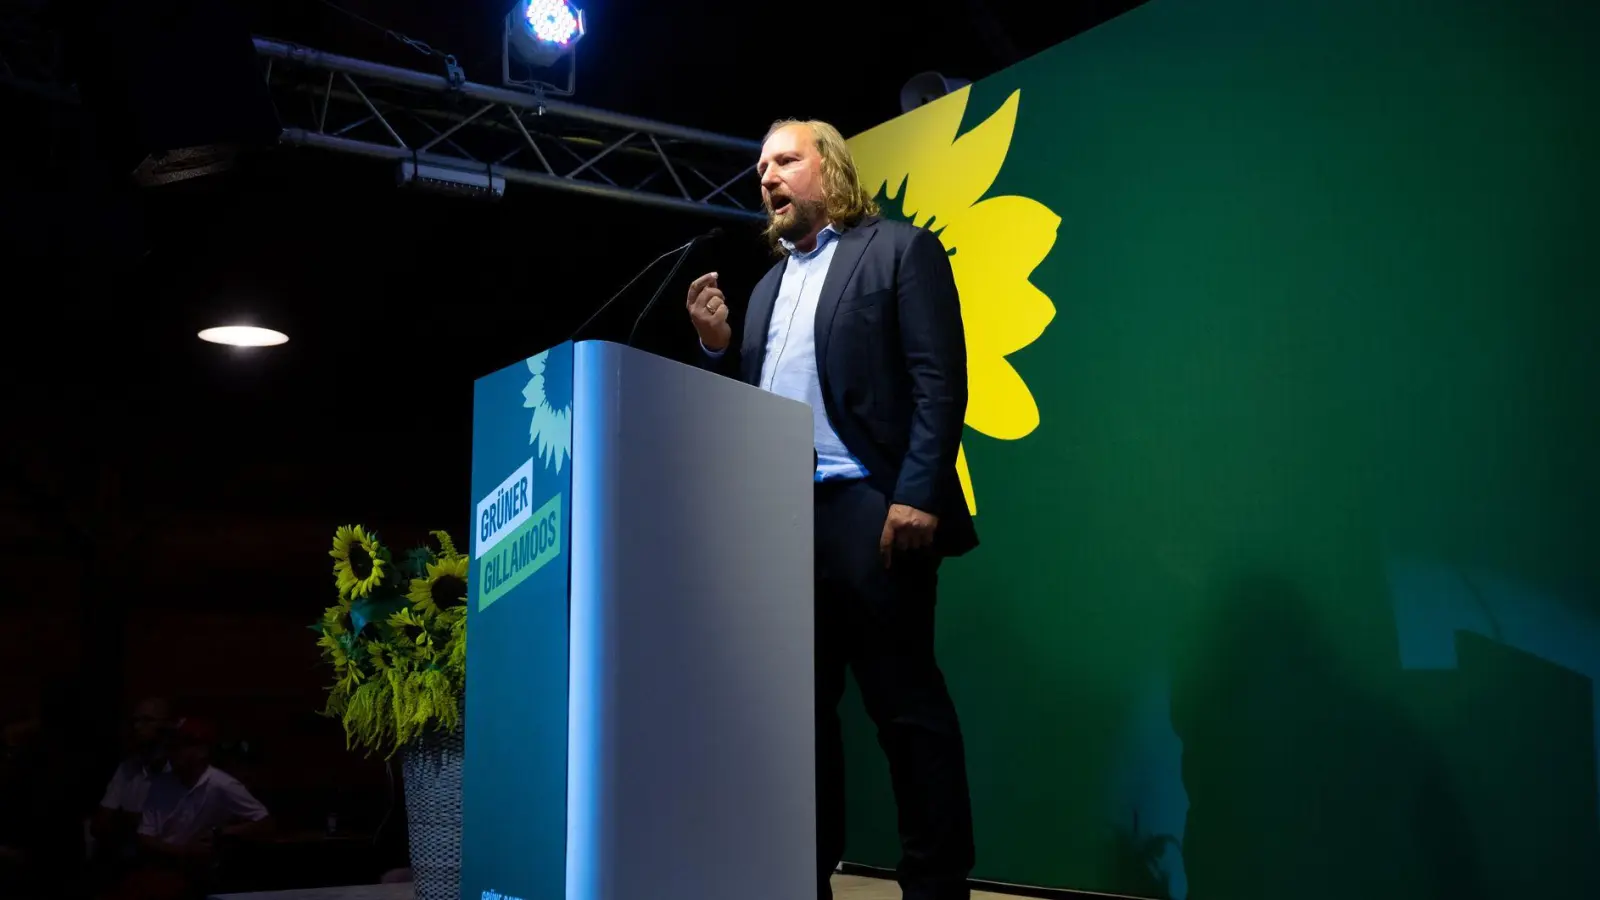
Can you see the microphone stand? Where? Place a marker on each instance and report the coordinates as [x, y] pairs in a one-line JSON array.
[[683, 248], [682, 256]]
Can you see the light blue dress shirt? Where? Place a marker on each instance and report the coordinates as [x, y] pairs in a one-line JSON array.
[[790, 366]]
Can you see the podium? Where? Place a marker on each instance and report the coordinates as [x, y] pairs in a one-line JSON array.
[[639, 713]]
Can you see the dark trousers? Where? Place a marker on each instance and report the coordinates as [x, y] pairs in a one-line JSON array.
[[879, 623]]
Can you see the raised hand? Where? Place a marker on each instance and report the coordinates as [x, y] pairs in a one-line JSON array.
[[708, 310]]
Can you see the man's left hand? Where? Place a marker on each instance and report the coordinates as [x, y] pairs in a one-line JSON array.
[[906, 528]]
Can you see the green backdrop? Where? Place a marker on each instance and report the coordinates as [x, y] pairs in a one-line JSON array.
[[1292, 591]]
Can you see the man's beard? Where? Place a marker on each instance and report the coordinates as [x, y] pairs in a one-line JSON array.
[[799, 221]]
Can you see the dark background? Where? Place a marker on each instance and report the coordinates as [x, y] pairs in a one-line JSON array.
[[166, 504]]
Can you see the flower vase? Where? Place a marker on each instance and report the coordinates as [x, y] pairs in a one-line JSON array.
[[431, 767]]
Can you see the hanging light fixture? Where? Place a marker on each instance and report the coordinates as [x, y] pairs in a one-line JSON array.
[[244, 336]]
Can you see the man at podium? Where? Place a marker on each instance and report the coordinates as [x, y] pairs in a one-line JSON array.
[[860, 319]]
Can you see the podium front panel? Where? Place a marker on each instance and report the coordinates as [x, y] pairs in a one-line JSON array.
[[514, 797], [692, 757], [640, 672]]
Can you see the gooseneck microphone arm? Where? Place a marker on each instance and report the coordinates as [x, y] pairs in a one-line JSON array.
[[682, 256], [682, 248]]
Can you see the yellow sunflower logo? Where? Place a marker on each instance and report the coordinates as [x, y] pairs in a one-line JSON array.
[[358, 561], [939, 181]]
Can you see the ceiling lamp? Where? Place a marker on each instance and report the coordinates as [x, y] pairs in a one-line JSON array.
[[244, 336]]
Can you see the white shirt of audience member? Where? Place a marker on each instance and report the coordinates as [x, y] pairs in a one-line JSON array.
[[181, 815], [128, 786]]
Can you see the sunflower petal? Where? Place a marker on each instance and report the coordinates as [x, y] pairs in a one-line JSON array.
[[1000, 404], [967, 169], [965, 474], [997, 244], [910, 145], [943, 174]]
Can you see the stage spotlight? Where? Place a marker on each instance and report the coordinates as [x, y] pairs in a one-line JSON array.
[[244, 336], [540, 32]]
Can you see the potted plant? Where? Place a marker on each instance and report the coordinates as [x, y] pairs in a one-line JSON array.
[[396, 640]]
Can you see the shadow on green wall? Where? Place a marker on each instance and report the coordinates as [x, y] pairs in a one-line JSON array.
[[1301, 782], [1139, 860]]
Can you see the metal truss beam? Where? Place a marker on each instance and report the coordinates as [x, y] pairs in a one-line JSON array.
[[355, 106]]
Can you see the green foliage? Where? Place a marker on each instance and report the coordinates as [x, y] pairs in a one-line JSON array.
[[399, 653]]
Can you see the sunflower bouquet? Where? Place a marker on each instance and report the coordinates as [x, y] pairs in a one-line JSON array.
[[396, 640]]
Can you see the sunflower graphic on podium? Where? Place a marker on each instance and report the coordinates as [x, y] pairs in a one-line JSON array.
[[549, 394]]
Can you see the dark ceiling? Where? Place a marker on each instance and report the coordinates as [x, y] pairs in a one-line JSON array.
[[394, 300]]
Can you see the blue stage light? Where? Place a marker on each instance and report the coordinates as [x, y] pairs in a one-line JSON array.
[[554, 21], [541, 32]]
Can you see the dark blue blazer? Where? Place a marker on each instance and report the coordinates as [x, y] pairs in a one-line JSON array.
[[892, 360]]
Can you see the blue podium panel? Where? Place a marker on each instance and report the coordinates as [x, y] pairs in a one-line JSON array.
[[514, 805], [639, 655]]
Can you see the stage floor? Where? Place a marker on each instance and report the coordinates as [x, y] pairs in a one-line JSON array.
[[845, 887], [852, 887]]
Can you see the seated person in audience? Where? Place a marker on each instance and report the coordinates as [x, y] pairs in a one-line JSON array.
[[187, 808], [193, 803], [121, 809]]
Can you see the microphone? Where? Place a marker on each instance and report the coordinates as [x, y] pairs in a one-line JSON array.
[[683, 255], [681, 248]]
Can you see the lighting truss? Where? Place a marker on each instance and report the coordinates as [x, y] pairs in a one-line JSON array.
[[385, 112], [355, 106]]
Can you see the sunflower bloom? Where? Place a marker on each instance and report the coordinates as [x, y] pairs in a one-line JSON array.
[[358, 561], [444, 587], [939, 180]]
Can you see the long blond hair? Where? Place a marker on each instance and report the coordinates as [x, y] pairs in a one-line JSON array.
[[847, 201]]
